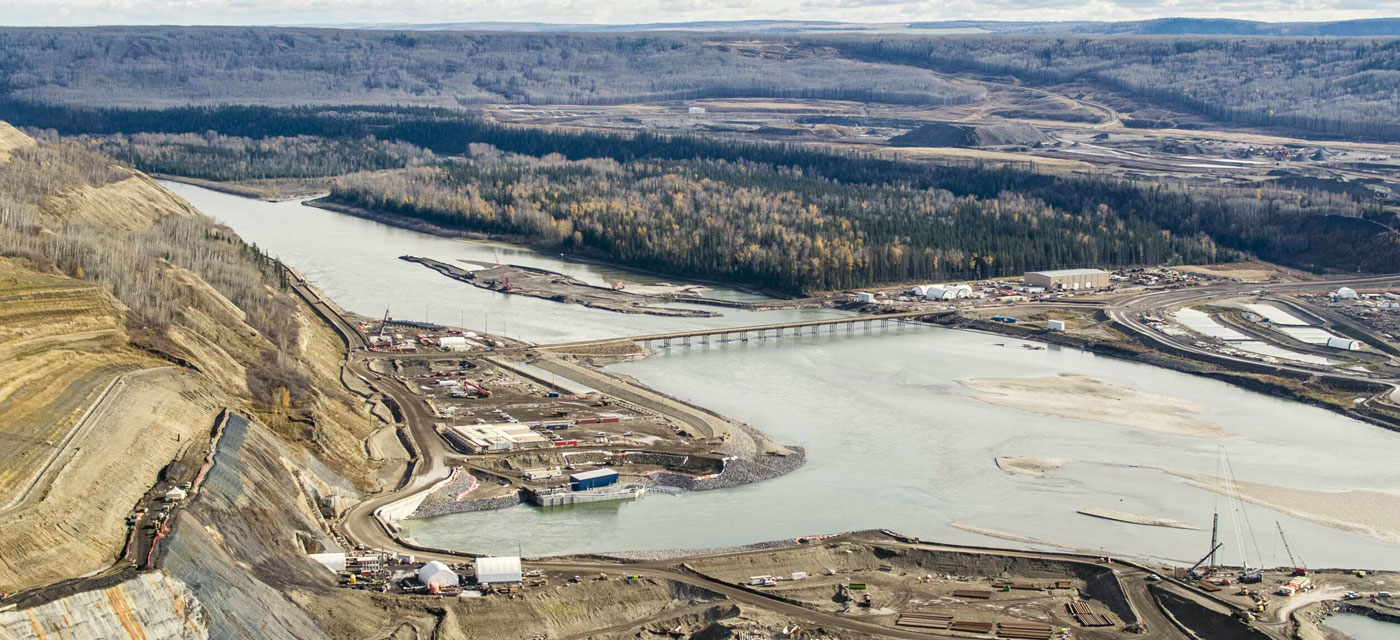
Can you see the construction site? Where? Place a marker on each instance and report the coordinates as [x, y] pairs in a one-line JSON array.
[[196, 510]]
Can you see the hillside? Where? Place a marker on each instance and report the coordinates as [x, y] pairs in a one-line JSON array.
[[129, 321], [152, 67]]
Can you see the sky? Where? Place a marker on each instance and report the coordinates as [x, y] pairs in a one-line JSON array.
[[322, 12]]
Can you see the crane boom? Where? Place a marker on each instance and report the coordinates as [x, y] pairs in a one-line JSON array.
[[1203, 559], [1296, 562]]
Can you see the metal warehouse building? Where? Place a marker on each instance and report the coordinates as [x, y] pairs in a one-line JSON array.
[[1068, 279], [593, 479]]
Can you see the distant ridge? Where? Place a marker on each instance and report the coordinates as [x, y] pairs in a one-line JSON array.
[[1376, 27]]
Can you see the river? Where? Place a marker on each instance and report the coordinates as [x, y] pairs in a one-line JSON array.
[[1359, 627], [893, 440]]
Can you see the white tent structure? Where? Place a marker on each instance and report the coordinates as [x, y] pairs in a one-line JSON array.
[[1347, 293], [497, 570], [947, 292], [437, 574]]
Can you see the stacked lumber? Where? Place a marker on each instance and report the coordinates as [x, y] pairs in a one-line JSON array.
[[1085, 615], [972, 593], [924, 620], [1017, 630], [982, 628]]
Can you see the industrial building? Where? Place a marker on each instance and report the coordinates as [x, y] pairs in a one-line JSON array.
[[585, 480], [482, 438], [498, 570], [1071, 279], [436, 575]]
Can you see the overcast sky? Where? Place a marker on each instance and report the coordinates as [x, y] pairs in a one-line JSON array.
[[89, 12]]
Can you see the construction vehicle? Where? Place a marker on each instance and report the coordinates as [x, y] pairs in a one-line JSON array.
[[1196, 575], [502, 279], [1300, 568]]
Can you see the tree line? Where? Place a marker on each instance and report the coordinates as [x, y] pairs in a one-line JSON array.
[[1311, 230]]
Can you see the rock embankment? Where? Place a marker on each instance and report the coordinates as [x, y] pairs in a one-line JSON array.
[[737, 471], [447, 499]]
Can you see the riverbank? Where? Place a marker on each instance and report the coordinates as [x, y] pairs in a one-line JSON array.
[[556, 287], [525, 242], [285, 190]]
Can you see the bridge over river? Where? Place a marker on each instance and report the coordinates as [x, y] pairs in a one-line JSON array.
[[758, 331]]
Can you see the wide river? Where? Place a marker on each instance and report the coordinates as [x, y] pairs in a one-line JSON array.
[[893, 440]]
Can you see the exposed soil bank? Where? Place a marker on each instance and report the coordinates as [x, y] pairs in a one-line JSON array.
[[548, 285]]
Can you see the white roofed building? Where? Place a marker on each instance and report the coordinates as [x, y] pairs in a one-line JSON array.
[[498, 570]]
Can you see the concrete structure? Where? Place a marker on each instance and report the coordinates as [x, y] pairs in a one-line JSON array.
[[482, 438], [1055, 325], [436, 575], [585, 480], [1072, 279], [560, 496], [498, 570]]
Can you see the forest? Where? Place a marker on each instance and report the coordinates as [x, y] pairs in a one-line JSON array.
[[804, 228], [760, 224], [1343, 87], [1319, 86], [212, 156], [169, 66], [1310, 230]]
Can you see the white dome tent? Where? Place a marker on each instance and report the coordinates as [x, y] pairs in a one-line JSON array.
[[436, 575]]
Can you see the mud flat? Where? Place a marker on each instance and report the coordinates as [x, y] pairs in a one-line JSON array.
[[1375, 514], [1002, 535], [1088, 398], [1133, 518], [1027, 465]]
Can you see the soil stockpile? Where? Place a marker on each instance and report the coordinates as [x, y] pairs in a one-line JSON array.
[[968, 136]]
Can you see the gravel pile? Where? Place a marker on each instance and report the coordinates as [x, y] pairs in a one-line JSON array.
[[443, 508]]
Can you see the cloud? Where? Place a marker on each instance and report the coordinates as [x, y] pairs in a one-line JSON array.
[[76, 12]]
